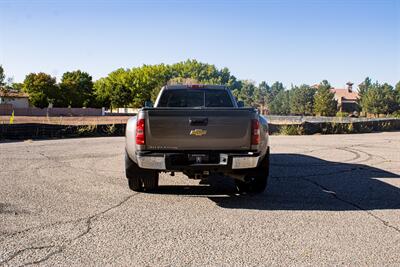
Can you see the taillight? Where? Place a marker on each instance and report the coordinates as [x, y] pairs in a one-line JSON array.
[[255, 132], [140, 132]]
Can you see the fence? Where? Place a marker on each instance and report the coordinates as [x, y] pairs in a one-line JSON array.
[[327, 127], [40, 131], [66, 120], [43, 131], [6, 110], [276, 119]]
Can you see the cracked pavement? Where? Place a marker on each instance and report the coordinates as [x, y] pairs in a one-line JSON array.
[[331, 200]]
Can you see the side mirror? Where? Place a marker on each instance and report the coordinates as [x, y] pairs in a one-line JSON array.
[[240, 104], [148, 104]]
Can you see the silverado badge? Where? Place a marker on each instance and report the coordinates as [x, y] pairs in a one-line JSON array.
[[198, 132]]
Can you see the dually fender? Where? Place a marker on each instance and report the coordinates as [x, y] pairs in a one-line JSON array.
[[264, 135], [130, 138]]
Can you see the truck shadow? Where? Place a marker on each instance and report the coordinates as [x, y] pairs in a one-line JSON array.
[[301, 182]]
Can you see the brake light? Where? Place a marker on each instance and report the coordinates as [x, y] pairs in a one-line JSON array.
[[140, 140], [194, 86], [255, 132]]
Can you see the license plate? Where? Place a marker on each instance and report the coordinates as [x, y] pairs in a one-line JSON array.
[[198, 158]]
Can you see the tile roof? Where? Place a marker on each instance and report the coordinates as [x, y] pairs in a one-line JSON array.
[[345, 94]]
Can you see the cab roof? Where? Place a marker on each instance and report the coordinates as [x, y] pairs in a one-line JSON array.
[[194, 86]]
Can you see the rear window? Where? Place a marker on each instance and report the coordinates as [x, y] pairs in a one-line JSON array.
[[182, 98]]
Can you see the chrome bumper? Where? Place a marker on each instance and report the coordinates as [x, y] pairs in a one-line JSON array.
[[149, 162], [238, 162], [244, 162]]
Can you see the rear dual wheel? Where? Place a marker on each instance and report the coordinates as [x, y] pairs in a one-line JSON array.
[[140, 179], [256, 179]]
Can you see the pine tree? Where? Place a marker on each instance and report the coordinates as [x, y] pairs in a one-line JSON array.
[[281, 104], [301, 100], [324, 101]]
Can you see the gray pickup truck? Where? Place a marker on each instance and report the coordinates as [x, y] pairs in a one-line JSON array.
[[198, 130]]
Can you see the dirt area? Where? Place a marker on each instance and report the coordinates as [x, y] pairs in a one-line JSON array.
[[88, 120]]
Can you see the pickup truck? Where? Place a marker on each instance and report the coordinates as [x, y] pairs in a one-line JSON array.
[[199, 130]]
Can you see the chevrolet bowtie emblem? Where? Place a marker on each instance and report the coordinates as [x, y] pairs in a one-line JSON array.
[[198, 132]]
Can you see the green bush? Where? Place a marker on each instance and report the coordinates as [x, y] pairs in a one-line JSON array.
[[342, 114], [396, 114], [386, 126], [111, 129], [291, 130], [336, 128], [350, 128], [365, 128], [87, 130]]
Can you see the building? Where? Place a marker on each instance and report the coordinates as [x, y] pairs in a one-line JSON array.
[[347, 98], [14, 98]]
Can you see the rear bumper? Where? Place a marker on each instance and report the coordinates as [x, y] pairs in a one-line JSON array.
[[179, 161]]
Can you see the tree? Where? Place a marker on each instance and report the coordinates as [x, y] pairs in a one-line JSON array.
[[204, 73], [324, 100], [271, 92], [260, 96], [276, 88], [397, 88], [378, 98], [373, 100], [246, 93], [101, 94], [42, 89], [148, 88], [17, 86], [397, 94], [302, 100], [4, 85], [7, 85], [119, 85], [2, 77], [132, 87], [364, 86], [390, 98], [115, 90], [263, 92], [362, 91], [76, 89], [281, 104]]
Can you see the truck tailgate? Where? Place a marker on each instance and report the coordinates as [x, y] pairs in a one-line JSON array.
[[203, 129]]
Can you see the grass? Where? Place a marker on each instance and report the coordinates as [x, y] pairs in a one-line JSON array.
[[296, 129], [87, 130]]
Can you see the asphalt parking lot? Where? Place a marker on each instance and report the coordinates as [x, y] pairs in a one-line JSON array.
[[331, 200]]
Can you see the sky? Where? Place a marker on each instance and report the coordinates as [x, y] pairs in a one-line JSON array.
[[295, 42]]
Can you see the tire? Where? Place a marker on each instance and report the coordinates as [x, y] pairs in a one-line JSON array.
[[140, 179], [256, 179], [135, 184], [150, 181]]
